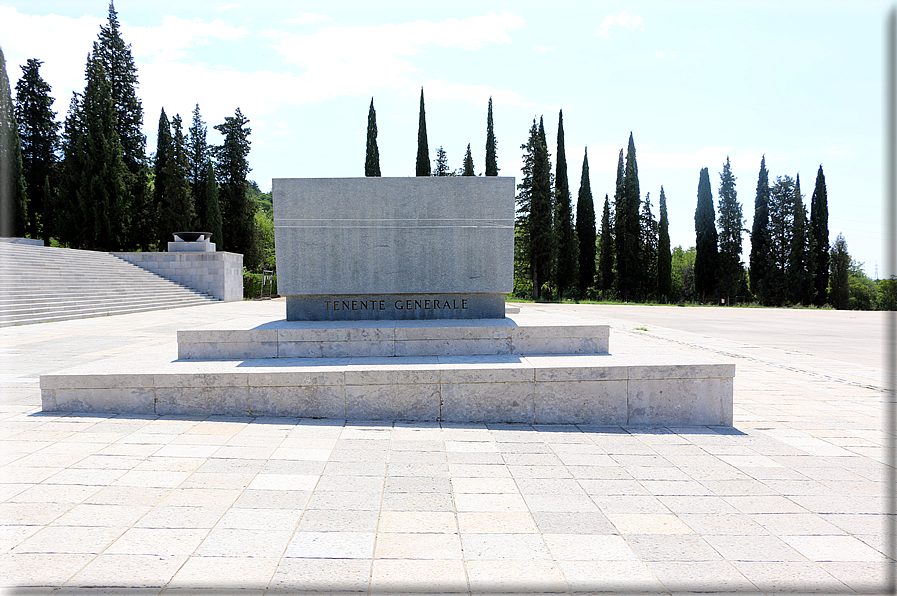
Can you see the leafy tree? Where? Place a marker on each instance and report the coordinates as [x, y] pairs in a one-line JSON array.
[[491, 145], [38, 135], [423, 154], [13, 198], [819, 233], [585, 229], [759, 264], [176, 212], [863, 291], [887, 293], [606, 251], [627, 231], [238, 210], [198, 152], [468, 163], [731, 223], [541, 232], [648, 242], [442, 167], [799, 269], [567, 272], [264, 225], [839, 289], [522, 244], [664, 262], [707, 255], [781, 221], [199, 168], [372, 153], [161, 185], [683, 273], [210, 218]]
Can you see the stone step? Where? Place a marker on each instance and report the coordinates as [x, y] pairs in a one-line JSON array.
[[108, 312], [570, 389], [97, 306]]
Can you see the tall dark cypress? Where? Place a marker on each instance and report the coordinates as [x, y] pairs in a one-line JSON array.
[[731, 272], [13, 198], [211, 218], [606, 252], [567, 266], [423, 153], [839, 295], [237, 209], [781, 215], [542, 238], [372, 153], [585, 229], [801, 289], [706, 247], [619, 221], [38, 135], [491, 145], [760, 236], [161, 186], [648, 249], [468, 163], [630, 270], [664, 257], [522, 243], [198, 158], [819, 233]]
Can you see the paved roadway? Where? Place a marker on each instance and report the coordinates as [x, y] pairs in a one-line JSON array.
[[789, 500]]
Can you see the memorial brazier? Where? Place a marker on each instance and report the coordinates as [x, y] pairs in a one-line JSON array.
[[394, 248]]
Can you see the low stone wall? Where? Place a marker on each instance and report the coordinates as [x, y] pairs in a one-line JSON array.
[[219, 274]]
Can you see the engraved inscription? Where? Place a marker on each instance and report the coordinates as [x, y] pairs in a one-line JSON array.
[[406, 304]]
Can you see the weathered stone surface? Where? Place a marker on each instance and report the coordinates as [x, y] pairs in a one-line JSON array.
[[446, 238]]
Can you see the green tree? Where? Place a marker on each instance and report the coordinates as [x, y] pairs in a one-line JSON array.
[[683, 273], [238, 210], [664, 262], [199, 157], [491, 145], [567, 268], [863, 291], [627, 232], [541, 232], [707, 255], [731, 223], [442, 167], [585, 229], [210, 220], [39, 138], [522, 244], [264, 225], [172, 188], [164, 226], [759, 263], [372, 153], [781, 224], [839, 289], [606, 251], [13, 198], [468, 163], [423, 153], [887, 293], [819, 234], [648, 243], [801, 289]]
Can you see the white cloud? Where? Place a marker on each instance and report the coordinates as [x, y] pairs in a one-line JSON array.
[[172, 39], [624, 19], [230, 6], [310, 18], [543, 49], [354, 60]]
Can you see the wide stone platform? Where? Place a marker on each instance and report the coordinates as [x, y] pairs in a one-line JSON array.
[[534, 369]]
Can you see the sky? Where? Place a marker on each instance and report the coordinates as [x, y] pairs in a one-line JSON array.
[[694, 82]]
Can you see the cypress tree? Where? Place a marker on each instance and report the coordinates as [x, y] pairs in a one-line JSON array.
[[68, 226], [622, 265], [180, 200], [648, 249], [491, 145], [567, 243], [706, 255], [800, 274], [585, 229], [211, 218], [630, 271], [606, 251], [664, 257], [38, 135], [198, 160], [839, 294], [13, 198], [372, 153], [442, 167], [759, 264], [522, 243], [238, 210], [819, 233], [164, 216], [542, 239], [468, 163], [781, 217], [731, 272], [423, 154]]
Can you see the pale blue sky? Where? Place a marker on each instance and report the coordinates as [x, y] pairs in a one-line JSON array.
[[694, 82]]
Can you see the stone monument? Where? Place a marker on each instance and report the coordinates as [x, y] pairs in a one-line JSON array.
[[394, 248]]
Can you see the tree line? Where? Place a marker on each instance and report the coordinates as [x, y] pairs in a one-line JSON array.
[[91, 184], [629, 257]]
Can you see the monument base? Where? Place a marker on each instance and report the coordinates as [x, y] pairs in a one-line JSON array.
[[395, 307]]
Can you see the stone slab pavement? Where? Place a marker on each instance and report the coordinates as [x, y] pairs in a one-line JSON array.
[[791, 499]]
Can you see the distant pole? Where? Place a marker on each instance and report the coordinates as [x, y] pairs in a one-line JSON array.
[[891, 269]]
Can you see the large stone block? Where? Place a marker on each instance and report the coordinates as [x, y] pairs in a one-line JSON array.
[[394, 248]]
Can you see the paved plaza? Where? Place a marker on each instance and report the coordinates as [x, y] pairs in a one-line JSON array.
[[790, 499]]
